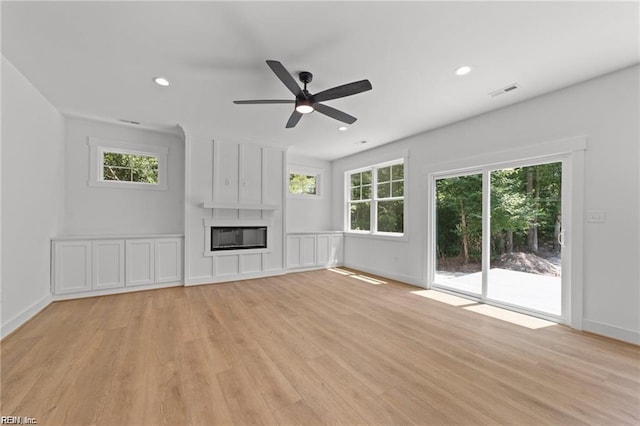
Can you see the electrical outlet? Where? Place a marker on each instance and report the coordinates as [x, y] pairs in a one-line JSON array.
[[596, 216]]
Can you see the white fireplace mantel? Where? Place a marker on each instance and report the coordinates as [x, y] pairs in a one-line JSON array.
[[239, 206]]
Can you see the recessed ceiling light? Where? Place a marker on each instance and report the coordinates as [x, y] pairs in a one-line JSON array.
[[161, 81], [463, 70], [342, 128]]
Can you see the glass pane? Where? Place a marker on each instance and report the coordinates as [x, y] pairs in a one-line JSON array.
[[525, 226], [360, 216], [355, 193], [116, 173], [384, 190], [459, 233], [366, 177], [384, 174], [397, 189], [397, 172], [391, 216], [144, 162], [356, 179], [145, 175], [302, 184], [116, 159], [366, 192]]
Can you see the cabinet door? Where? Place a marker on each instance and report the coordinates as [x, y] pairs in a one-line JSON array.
[[108, 264], [250, 174], [308, 250], [168, 260], [337, 250], [293, 252], [72, 266], [140, 262], [226, 169], [324, 250]]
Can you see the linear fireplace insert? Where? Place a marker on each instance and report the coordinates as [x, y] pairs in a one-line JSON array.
[[238, 237]]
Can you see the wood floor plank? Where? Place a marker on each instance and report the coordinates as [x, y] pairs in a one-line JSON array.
[[307, 348]]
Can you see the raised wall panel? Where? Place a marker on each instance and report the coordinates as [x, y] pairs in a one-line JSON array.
[[314, 251], [168, 260], [293, 252], [337, 250], [227, 265], [225, 171], [72, 266], [308, 250], [324, 248], [250, 174], [251, 263], [140, 262], [273, 191], [108, 264]]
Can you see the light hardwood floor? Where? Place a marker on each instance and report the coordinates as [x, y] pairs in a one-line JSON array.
[[307, 348]]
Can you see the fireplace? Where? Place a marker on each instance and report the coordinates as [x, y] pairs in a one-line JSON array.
[[238, 237]]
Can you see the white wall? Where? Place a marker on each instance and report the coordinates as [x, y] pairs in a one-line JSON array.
[[97, 210], [32, 195], [606, 110], [310, 214]]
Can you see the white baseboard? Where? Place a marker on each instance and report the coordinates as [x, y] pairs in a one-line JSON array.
[[110, 291], [612, 331], [12, 324], [228, 278], [312, 268], [391, 275], [203, 279]]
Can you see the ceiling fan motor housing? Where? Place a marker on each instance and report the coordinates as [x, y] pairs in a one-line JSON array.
[[306, 77]]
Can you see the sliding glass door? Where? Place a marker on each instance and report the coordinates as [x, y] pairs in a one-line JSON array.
[[498, 236], [525, 237], [459, 233]]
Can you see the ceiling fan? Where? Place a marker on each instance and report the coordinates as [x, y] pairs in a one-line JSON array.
[[306, 102]]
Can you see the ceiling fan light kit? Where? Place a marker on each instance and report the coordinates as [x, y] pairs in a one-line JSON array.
[[306, 102]]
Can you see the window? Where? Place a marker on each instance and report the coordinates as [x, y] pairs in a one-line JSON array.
[[117, 164], [121, 167], [303, 184], [376, 199]]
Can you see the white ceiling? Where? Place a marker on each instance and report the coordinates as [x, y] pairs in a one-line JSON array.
[[97, 59]]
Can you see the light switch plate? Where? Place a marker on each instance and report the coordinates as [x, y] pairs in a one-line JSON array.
[[596, 216]]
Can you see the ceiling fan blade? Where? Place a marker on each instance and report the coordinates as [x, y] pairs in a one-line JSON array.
[[286, 78], [293, 120], [342, 91], [265, 101], [334, 113]]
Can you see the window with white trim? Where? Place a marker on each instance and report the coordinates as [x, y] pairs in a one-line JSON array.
[[117, 164], [376, 199], [124, 167], [304, 182]]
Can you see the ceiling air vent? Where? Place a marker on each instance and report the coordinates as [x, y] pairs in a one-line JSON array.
[[129, 121], [504, 90]]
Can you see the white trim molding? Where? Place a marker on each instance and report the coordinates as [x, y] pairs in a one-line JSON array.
[[612, 331], [21, 318], [309, 171], [571, 151], [98, 146]]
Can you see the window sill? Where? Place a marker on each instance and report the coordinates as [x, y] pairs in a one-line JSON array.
[[378, 235], [128, 185], [304, 196]]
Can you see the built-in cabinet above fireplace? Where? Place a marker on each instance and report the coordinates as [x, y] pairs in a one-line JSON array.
[[238, 174]]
